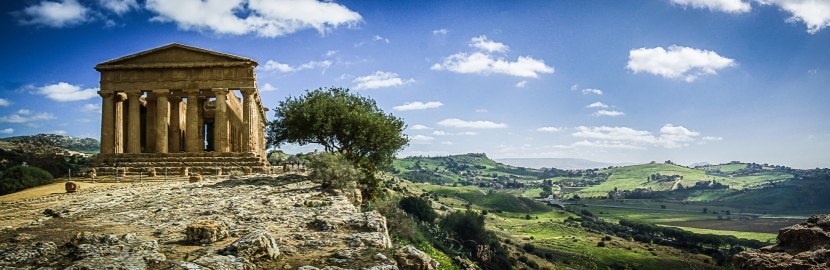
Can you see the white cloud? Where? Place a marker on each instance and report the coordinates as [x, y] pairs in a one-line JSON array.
[[611, 113], [441, 32], [712, 138], [5, 102], [57, 14], [265, 18], [671, 136], [58, 132], [64, 92], [26, 116], [380, 38], [481, 110], [597, 105], [444, 133], [605, 144], [330, 53], [272, 65], [417, 105], [380, 79], [447, 143], [484, 62], [268, 87], [91, 107], [422, 139], [419, 127], [677, 62], [7, 131], [119, 6], [549, 129], [592, 91], [813, 13], [458, 123], [484, 44], [521, 84], [729, 6], [575, 87]]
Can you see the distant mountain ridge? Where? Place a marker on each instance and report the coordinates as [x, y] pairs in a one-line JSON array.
[[83, 145], [559, 163]]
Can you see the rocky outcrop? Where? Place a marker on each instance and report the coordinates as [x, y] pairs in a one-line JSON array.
[[410, 258], [801, 246], [251, 223]]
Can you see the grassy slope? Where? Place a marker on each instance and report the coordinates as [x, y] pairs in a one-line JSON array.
[[431, 163]]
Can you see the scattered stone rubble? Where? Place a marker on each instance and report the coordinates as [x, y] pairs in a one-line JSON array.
[[801, 246], [261, 222]]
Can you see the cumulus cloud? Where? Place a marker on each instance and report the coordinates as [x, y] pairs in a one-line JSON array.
[[597, 105], [444, 133], [458, 123], [712, 138], [7, 131], [26, 116], [587, 91], [419, 127], [677, 62], [484, 62], [549, 129], [521, 84], [380, 79], [272, 65], [65, 92], [417, 105], [265, 18], [380, 38], [729, 6], [91, 107], [5, 102], [670, 136], [268, 87], [56, 14], [484, 44], [611, 113], [119, 6], [813, 13], [422, 139]]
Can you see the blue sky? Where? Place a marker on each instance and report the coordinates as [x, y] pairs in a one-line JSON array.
[[615, 81]]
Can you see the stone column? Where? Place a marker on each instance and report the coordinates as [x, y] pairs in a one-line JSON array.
[[162, 119], [107, 122], [134, 122], [118, 142], [175, 125], [192, 142], [150, 126], [201, 117], [220, 126], [248, 126]]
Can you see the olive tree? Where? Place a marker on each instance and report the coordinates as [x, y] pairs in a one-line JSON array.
[[343, 122]]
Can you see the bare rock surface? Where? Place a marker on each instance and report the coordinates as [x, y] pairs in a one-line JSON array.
[[410, 258], [801, 246], [144, 226]]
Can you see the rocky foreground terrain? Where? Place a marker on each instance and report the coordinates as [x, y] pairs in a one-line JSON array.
[[802, 246], [283, 222]]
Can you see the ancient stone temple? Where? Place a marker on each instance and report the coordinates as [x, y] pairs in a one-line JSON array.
[[177, 107]]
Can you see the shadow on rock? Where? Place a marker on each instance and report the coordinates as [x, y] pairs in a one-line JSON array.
[[277, 181]]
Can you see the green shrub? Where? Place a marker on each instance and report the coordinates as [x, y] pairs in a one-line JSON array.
[[22, 177], [400, 226], [334, 172], [419, 208]]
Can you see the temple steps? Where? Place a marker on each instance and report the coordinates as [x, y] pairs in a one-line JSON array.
[[205, 163]]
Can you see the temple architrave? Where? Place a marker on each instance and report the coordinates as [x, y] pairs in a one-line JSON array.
[[177, 107]]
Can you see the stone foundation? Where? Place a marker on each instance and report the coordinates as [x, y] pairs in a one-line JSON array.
[[204, 163]]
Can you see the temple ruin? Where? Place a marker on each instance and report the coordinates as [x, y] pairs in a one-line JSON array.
[[177, 107]]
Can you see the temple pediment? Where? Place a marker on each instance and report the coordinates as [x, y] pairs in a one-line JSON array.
[[175, 56]]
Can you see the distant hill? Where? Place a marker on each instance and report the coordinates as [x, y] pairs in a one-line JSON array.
[[83, 145], [559, 163], [449, 169]]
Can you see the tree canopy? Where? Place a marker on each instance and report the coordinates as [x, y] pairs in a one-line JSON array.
[[341, 122]]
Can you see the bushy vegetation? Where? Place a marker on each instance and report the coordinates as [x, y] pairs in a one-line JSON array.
[[419, 208], [22, 177], [466, 229], [334, 171]]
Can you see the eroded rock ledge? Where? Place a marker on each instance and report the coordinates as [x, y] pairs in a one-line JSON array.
[[801, 246]]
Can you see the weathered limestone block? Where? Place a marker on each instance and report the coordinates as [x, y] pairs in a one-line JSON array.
[[206, 231], [122, 172], [72, 187], [90, 251], [195, 178], [248, 171], [185, 171], [410, 258], [224, 262], [151, 172], [802, 246], [92, 173], [259, 244]]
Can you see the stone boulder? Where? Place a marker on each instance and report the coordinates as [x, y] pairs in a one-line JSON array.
[[410, 258], [801, 246], [195, 178], [72, 187], [258, 244], [206, 232], [90, 251]]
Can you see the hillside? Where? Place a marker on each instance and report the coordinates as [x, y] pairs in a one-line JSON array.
[[82, 145], [559, 163], [471, 168]]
